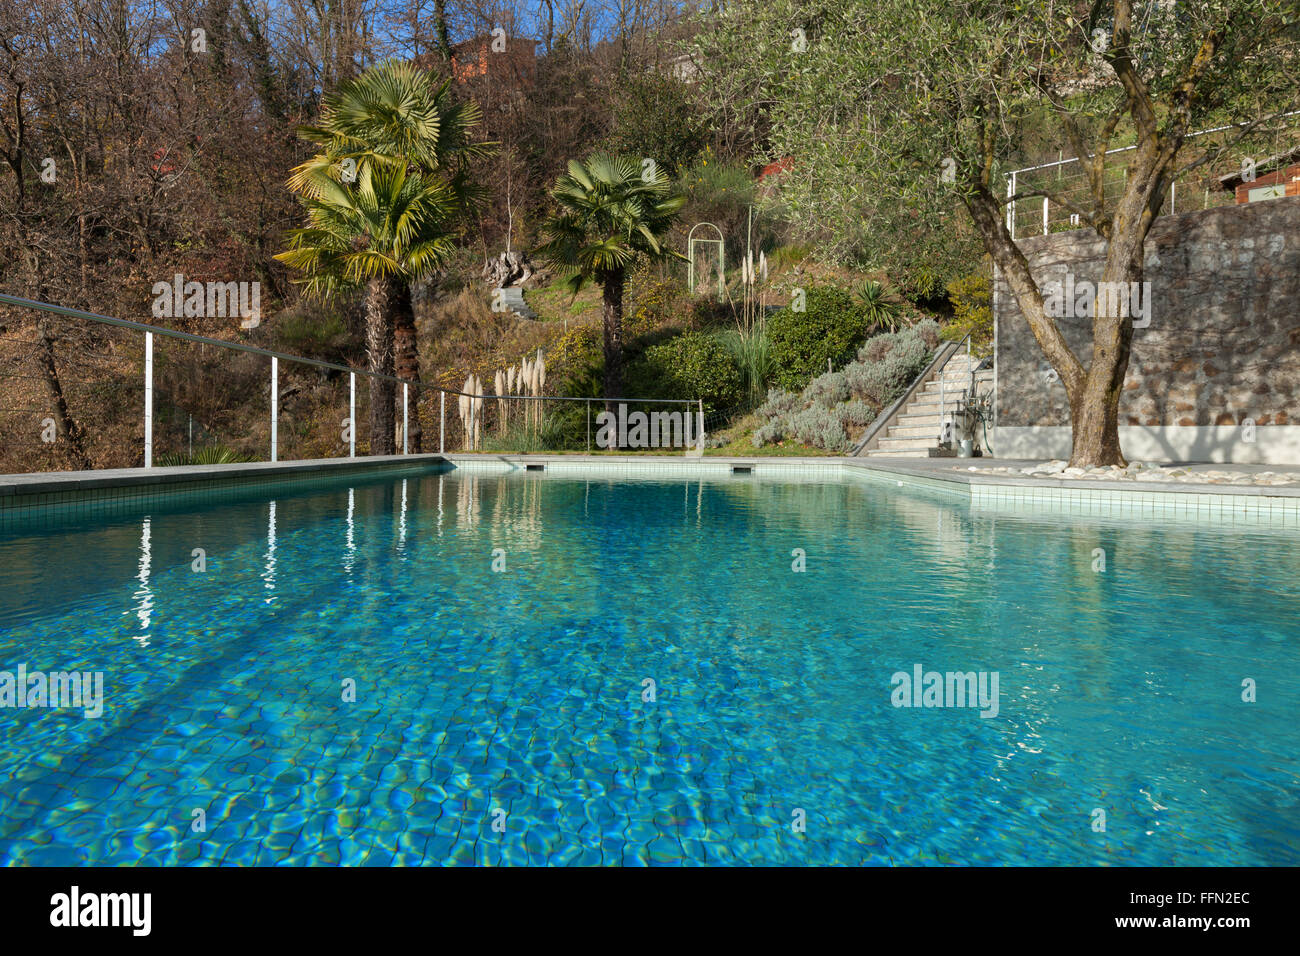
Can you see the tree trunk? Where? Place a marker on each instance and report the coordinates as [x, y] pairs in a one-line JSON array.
[[1094, 407], [440, 28], [612, 314], [380, 297], [1094, 392], [67, 425], [407, 361]]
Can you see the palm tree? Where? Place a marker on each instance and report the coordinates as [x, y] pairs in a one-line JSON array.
[[394, 116], [381, 234], [612, 211]]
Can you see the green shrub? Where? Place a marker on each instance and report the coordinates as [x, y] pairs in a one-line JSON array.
[[576, 361], [655, 118], [820, 427], [836, 405], [921, 283], [972, 312], [831, 328], [656, 302], [691, 365], [564, 426], [828, 390], [706, 312]]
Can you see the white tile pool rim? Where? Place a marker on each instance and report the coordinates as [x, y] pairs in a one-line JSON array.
[[1260, 506], [1267, 506]]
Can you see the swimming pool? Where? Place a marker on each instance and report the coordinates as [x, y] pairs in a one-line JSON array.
[[501, 633]]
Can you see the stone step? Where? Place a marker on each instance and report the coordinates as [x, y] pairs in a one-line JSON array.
[[914, 431], [512, 297], [915, 418], [924, 405], [881, 453], [917, 443], [948, 388], [983, 375]]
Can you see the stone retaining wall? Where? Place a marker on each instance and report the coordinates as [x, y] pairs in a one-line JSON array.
[[1221, 352]]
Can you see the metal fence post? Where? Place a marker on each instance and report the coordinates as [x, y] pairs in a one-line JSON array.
[[1011, 206], [943, 401], [588, 404], [405, 392], [148, 399], [275, 407], [352, 414], [442, 425]]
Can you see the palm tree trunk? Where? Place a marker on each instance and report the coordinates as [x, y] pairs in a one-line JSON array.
[[408, 359], [612, 314], [380, 296]]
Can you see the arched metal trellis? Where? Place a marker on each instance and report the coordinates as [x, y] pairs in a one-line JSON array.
[[691, 242]]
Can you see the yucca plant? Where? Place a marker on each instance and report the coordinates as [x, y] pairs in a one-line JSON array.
[[878, 307], [611, 211]]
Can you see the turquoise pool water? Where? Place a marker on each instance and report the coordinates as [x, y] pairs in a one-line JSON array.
[[500, 716]]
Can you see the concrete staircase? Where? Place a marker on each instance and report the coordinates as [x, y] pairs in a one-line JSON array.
[[512, 297], [914, 432]]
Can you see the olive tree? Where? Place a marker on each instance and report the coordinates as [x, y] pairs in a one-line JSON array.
[[911, 106]]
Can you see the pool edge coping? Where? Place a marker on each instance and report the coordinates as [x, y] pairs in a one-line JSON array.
[[22, 485], [37, 483], [896, 467]]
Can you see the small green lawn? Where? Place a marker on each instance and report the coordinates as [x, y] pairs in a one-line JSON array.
[[554, 304]]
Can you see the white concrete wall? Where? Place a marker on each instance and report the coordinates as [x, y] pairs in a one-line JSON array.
[[1273, 444]]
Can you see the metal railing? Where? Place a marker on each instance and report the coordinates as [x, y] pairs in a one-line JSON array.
[[485, 422], [1206, 184], [968, 403]]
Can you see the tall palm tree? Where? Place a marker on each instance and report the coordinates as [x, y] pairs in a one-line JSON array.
[[382, 233], [394, 116], [611, 211]]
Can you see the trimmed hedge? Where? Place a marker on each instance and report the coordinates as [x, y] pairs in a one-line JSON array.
[[831, 328]]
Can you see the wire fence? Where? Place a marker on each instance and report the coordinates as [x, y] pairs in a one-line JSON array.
[[1207, 186], [84, 391]]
